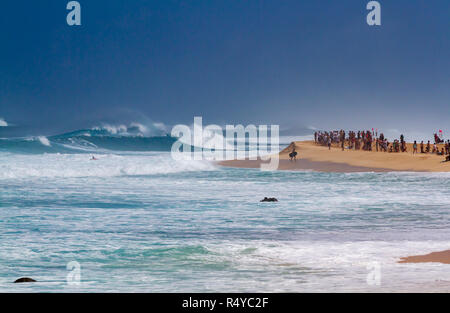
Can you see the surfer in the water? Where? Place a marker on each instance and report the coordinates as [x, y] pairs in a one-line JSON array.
[[293, 155], [94, 158]]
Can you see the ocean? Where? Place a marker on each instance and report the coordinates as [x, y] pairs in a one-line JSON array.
[[136, 220]]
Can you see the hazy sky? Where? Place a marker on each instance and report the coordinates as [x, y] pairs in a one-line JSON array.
[[295, 63]]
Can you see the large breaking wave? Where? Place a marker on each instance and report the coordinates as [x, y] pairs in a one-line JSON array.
[[133, 150], [135, 137]]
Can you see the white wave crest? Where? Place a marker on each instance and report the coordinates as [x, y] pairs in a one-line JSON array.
[[44, 141], [3, 123], [134, 129], [113, 130]]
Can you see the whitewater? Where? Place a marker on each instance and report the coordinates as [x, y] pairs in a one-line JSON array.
[[136, 220]]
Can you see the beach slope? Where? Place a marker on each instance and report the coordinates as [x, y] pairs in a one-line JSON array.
[[319, 158], [435, 257]]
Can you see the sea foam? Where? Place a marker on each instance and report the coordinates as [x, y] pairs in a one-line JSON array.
[[44, 141], [108, 165]]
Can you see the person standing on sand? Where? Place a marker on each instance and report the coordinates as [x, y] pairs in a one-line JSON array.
[[402, 143], [329, 143], [293, 155], [415, 147]]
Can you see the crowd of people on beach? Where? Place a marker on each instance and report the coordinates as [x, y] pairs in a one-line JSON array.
[[372, 141]]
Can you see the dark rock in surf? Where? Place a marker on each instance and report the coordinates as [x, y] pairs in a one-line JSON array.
[[25, 280], [269, 200]]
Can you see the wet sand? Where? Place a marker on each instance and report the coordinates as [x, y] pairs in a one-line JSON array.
[[305, 165], [435, 257]]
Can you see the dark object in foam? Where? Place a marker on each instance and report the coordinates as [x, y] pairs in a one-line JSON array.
[[269, 200], [25, 280]]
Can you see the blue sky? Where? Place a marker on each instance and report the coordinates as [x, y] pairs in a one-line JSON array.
[[295, 63]]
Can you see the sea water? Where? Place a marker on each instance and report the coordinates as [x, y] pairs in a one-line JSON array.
[[143, 222]]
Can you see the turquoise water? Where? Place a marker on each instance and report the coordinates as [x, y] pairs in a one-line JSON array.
[[142, 222]]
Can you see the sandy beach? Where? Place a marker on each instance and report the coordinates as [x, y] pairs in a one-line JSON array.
[[316, 157], [434, 257]]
